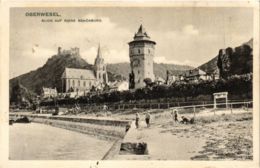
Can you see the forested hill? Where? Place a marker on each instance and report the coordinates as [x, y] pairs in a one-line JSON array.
[[123, 69]]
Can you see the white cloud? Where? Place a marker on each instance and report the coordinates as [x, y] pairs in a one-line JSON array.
[[190, 30], [162, 59]]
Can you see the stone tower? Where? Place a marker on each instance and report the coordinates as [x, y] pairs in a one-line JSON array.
[[100, 68], [141, 52]]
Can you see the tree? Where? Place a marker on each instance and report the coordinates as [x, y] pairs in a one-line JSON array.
[[148, 82]]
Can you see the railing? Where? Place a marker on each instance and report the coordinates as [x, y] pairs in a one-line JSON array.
[[187, 107], [158, 105], [193, 109]]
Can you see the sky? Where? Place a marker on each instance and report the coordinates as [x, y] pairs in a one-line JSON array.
[[187, 36]]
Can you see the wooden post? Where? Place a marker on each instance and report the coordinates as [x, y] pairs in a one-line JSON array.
[[194, 111], [215, 105], [226, 103]]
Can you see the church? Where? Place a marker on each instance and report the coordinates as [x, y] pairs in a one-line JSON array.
[[83, 80], [141, 53]]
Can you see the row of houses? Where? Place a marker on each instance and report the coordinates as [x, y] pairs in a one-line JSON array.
[[110, 87], [194, 75]]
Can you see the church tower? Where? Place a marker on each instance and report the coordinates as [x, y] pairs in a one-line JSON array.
[[100, 68], [141, 52]]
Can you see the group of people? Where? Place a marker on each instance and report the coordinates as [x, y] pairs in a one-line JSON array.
[[175, 116], [147, 119]]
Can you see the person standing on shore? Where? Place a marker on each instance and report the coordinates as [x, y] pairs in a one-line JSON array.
[[176, 115], [137, 118], [147, 119]]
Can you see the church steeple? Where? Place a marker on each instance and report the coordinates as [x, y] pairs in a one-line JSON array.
[[100, 67], [99, 54], [99, 59]]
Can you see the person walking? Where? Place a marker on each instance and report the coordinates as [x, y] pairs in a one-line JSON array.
[[137, 118], [147, 119]]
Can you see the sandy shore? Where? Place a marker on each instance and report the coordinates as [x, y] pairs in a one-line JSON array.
[[219, 137]]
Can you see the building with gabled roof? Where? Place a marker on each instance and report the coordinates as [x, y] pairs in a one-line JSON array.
[[77, 79], [82, 80], [48, 92]]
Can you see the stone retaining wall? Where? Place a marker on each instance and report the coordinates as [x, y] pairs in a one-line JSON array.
[[108, 129]]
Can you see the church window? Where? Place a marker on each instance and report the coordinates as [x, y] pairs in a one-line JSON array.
[[79, 83]]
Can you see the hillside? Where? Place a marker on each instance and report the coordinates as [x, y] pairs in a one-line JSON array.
[[240, 60], [49, 75], [123, 69]]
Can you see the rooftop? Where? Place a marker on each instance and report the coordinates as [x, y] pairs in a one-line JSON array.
[[142, 35], [78, 73]]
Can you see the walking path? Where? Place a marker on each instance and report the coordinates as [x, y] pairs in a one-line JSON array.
[[161, 146]]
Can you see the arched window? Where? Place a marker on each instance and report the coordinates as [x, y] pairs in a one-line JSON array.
[[149, 51], [78, 82]]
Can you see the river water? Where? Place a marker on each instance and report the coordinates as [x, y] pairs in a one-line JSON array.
[[34, 141]]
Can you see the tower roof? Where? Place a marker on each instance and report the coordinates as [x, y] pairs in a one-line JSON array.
[[99, 59], [99, 54], [142, 35]]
